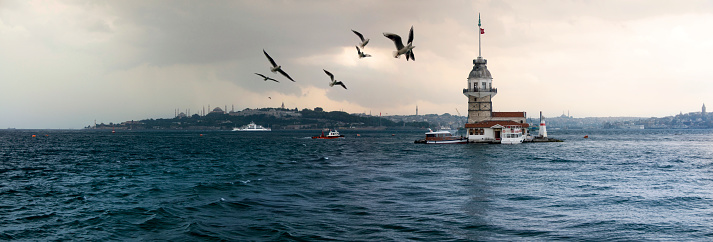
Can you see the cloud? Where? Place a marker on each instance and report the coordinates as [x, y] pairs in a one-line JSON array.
[[117, 61]]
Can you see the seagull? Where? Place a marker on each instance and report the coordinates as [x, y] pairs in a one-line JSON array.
[[361, 54], [400, 48], [334, 82], [275, 67], [265, 77], [361, 37]]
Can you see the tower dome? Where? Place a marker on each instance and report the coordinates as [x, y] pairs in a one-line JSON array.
[[480, 69]]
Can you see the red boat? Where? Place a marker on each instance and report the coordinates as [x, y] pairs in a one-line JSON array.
[[331, 135]]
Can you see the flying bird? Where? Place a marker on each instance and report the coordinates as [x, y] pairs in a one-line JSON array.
[[361, 54], [361, 37], [265, 78], [400, 48], [275, 67], [334, 82]]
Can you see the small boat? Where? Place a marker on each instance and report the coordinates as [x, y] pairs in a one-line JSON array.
[[512, 134], [252, 127], [441, 137], [333, 134]]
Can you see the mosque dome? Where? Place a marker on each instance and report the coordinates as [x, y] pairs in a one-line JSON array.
[[218, 109]]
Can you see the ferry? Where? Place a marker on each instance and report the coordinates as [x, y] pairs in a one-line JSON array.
[[512, 134], [333, 134], [441, 137], [252, 127]]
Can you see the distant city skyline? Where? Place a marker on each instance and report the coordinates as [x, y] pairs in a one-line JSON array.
[[65, 64]]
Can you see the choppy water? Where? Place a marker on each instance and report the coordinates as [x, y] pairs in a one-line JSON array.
[[172, 185]]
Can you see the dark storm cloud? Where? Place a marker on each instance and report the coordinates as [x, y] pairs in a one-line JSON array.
[[130, 59]]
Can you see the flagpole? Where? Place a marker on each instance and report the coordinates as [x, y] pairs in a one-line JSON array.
[[479, 34]]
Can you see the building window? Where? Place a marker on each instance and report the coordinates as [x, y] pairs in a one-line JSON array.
[[485, 85]]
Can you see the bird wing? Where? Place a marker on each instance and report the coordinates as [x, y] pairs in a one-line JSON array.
[[329, 74], [358, 50], [410, 35], [412, 56], [272, 79], [396, 39], [269, 58], [359, 34], [285, 74], [341, 84], [263, 76]]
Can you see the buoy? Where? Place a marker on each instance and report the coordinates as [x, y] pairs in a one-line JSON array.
[[34, 136], [393, 135], [586, 136], [201, 134], [358, 135]]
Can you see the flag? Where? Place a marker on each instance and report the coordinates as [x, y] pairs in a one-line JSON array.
[[482, 31]]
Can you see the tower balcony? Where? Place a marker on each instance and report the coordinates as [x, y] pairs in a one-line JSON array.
[[465, 90], [480, 92]]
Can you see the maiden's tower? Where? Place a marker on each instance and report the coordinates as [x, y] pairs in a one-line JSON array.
[[484, 125]]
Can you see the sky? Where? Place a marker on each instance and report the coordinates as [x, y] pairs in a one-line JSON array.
[[65, 64]]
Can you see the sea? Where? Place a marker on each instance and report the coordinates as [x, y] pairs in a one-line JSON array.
[[615, 185]]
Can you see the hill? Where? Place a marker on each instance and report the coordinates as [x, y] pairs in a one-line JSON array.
[[275, 118]]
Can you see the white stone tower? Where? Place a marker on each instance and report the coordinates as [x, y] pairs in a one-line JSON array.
[[480, 89], [703, 109]]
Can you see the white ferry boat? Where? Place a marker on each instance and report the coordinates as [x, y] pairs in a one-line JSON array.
[[252, 127], [512, 134], [441, 137]]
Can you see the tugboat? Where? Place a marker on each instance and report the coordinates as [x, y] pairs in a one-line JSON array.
[[441, 137], [333, 134]]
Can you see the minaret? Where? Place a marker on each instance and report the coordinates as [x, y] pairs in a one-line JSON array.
[[416, 110], [480, 90]]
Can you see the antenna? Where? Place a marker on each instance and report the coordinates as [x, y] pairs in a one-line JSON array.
[[480, 32]]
